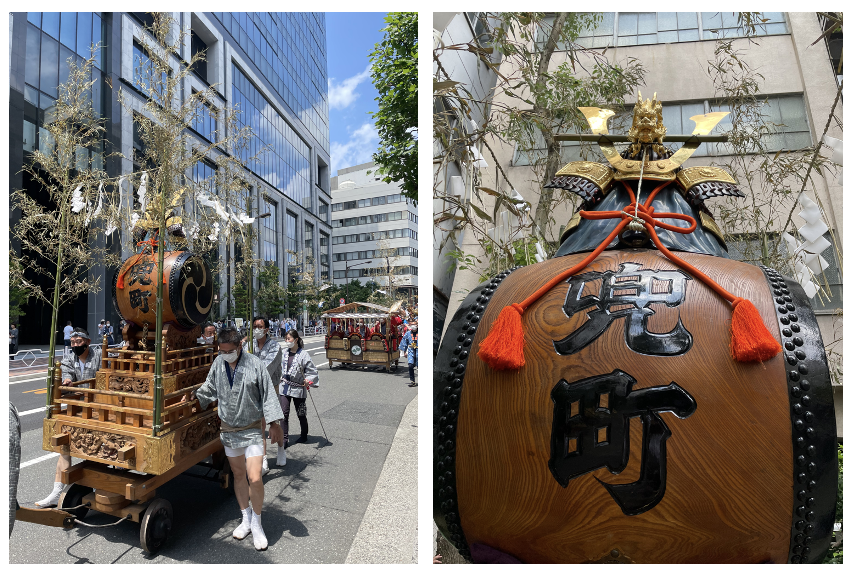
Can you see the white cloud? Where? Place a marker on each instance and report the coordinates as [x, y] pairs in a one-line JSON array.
[[344, 94], [362, 144]]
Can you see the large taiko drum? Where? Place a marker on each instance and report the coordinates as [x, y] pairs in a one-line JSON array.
[[631, 434], [187, 293]]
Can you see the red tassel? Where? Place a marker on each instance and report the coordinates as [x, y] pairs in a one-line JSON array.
[[751, 340], [503, 347]]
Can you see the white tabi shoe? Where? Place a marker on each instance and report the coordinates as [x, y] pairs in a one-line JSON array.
[[265, 469], [258, 535], [281, 456], [53, 498], [245, 526]]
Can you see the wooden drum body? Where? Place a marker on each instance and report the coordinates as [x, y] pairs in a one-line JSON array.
[[188, 290], [631, 434]]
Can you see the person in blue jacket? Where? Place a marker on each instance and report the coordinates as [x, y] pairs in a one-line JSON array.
[[409, 346]]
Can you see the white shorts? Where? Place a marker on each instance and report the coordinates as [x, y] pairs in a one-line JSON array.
[[249, 451]]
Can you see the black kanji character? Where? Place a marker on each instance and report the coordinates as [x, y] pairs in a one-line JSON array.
[[139, 299], [140, 273], [588, 435], [633, 286]]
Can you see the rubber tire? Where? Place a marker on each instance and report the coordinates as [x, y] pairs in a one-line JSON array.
[[156, 525], [73, 496]]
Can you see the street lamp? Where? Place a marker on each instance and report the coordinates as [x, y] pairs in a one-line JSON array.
[[347, 277]]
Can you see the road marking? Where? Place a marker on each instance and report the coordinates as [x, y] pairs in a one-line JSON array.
[[319, 364], [42, 378], [37, 460], [38, 409], [37, 391]]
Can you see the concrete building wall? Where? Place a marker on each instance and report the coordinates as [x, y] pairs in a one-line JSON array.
[[358, 183]]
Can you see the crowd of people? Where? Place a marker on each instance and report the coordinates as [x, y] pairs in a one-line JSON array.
[[254, 386]]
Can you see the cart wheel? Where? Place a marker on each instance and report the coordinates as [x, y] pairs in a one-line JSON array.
[[73, 497], [156, 524]]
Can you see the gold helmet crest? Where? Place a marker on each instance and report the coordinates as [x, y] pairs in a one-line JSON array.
[[647, 125]]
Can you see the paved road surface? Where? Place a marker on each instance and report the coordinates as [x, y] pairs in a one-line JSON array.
[[331, 503]]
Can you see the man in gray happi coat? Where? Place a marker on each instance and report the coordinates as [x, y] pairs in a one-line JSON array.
[[268, 350], [245, 394], [79, 363]]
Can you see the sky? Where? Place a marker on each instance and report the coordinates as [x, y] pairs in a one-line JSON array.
[[350, 37]]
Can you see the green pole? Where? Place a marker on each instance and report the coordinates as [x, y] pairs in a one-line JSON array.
[[51, 366], [251, 308]]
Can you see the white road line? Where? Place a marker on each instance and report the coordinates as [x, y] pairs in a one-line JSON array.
[[38, 409], [42, 378], [319, 364], [37, 460]]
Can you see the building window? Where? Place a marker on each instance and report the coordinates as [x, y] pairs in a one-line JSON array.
[[324, 256], [269, 248], [308, 243], [748, 248], [785, 117], [291, 233], [205, 121], [197, 45], [323, 211], [204, 175], [145, 75], [657, 28], [725, 24]]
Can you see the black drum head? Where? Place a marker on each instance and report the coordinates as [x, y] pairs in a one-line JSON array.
[[190, 290]]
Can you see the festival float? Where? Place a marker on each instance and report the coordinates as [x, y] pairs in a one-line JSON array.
[[640, 397], [134, 424], [363, 334]]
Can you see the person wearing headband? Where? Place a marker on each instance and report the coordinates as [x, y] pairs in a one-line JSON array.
[[80, 363]]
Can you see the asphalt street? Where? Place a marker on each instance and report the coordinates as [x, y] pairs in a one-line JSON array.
[[327, 505]]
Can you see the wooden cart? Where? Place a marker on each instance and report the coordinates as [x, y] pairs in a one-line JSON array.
[[109, 422], [362, 334]]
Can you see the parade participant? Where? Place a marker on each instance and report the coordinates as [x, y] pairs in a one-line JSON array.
[[108, 330], [409, 346], [80, 363], [298, 375], [208, 334], [245, 394], [270, 353], [66, 333]]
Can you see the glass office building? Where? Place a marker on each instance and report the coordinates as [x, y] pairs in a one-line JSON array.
[[270, 65]]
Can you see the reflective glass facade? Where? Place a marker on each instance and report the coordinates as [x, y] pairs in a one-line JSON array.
[[285, 164], [290, 50]]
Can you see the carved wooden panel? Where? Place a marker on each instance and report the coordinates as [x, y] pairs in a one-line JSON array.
[[158, 454], [129, 383], [97, 444], [201, 432]]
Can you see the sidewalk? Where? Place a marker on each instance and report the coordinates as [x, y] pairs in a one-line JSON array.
[[389, 530]]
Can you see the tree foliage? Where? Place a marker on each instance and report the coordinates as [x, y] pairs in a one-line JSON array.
[[395, 75], [530, 103]]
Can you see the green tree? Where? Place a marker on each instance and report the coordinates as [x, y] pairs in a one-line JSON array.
[[271, 295], [395, 75], [18, 294], [530, 104], [240, 299]]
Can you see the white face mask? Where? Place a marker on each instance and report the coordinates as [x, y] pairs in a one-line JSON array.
[[230, 357], [290, 344]]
